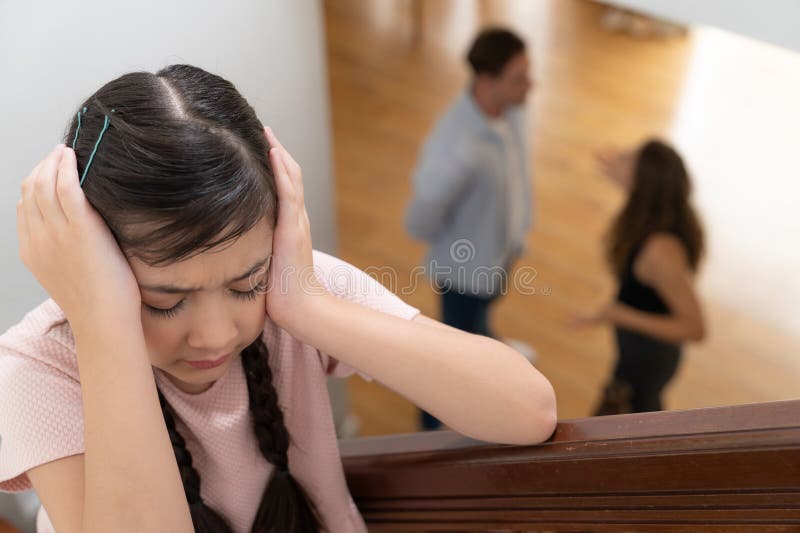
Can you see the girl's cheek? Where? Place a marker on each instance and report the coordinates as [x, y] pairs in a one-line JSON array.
[[162, 343]]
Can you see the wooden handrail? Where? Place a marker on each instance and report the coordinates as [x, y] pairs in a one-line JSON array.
[[731, 468]]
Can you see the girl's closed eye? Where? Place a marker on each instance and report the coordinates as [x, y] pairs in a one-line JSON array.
[[245, 295], [170, 312], [164, 312]]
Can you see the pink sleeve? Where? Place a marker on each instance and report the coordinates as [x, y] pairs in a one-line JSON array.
[[41, 415], [348, 282]]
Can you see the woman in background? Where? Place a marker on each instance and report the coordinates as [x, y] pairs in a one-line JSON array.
[[654, 247]]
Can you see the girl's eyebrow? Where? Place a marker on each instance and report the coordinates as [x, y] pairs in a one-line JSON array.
[[174, 289]]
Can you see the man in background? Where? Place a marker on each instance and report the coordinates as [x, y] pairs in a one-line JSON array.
[[472, 188]]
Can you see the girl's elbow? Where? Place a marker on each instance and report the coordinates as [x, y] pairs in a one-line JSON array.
[[539, 429], [547, 425], [541, 423]]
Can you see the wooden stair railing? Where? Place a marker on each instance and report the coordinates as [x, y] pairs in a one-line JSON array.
[[731, 469]]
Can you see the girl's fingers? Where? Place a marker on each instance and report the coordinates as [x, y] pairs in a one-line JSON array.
[[35, 171], [282, 180], [295, 172], [44, 188], [288, 175], [68, 187], [33, 214], [271, 139]]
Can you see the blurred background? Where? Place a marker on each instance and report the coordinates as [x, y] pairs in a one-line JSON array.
[[727, 101], [353, 87]]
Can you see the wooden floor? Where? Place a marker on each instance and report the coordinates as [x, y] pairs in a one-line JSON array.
[[727, 103]]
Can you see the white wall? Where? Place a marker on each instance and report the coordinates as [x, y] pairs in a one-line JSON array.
[[774, 21], [54, 54]]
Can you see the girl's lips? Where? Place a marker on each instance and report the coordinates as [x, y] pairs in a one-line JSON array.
[[207, 363]]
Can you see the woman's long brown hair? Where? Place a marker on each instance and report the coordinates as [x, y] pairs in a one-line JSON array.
[[658, 201]]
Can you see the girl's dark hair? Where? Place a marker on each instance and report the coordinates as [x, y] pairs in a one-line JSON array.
[[183, 168], [492, 49], [658, 201]]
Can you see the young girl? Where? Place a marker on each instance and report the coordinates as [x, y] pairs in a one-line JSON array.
[[176, 380], [654, 247]]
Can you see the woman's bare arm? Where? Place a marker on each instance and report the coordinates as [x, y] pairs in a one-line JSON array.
[[663, 265]]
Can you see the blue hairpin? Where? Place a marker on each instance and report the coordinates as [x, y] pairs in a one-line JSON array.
[[96, 144], [75, 139]]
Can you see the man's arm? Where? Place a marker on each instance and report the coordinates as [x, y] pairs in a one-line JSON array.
[[439, 182]]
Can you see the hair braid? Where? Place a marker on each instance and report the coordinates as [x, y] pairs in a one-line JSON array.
[[204, 518], [285, 506]]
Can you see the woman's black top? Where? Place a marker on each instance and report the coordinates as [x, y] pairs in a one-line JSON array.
[[636, 294]]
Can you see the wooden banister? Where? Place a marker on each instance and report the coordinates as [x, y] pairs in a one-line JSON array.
[[726, 469]]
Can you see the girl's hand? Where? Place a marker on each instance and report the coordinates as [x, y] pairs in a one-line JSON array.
[[292, 284], [68, 247]]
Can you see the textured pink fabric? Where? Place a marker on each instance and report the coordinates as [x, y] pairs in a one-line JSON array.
[[41, 413]]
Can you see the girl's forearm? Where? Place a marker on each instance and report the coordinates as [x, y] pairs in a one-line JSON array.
[[132, 481], [476, 385]]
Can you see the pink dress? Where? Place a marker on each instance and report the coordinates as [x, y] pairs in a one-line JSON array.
[[41, 415]]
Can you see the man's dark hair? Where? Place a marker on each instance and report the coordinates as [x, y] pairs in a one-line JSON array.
[[492, 49]]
